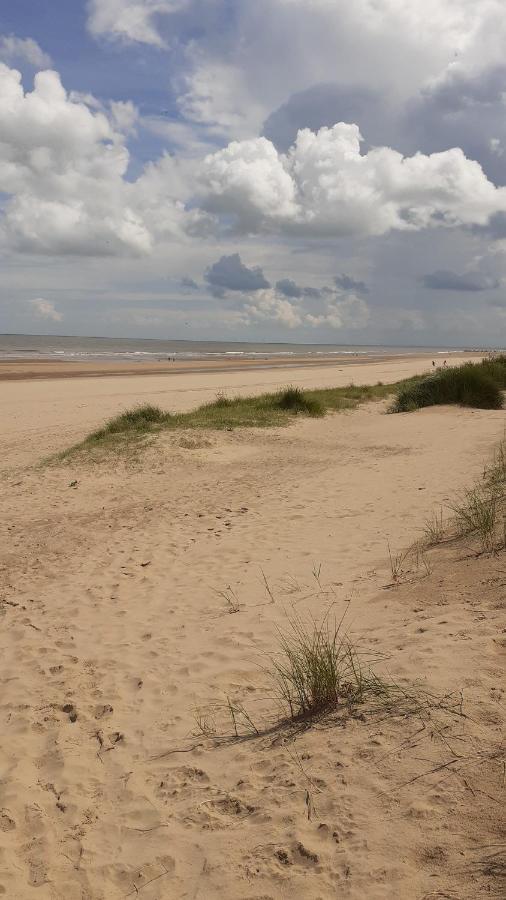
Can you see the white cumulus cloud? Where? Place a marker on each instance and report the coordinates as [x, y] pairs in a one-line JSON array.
[[347, 311], [324, 186], [45, 309], [327, 307], [63, 166], [23, 49], [130, 20]]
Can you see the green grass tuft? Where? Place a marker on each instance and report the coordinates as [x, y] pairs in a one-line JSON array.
[[134, 422], [296, 401], [318, 668]]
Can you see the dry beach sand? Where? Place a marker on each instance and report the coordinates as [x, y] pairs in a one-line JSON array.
[[139, 593]]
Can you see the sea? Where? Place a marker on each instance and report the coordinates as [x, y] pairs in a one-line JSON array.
[[94, 349]]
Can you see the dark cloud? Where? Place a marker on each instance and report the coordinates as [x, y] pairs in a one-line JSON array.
[[230, 274], [187, 282], [288, 288], [464, 111], [494, 229], [314, 293], [444, 280], [461, 89], [326, 104], [346, 283]]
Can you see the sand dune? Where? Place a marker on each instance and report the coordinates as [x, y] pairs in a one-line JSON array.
[[39, 417], [119, 635]]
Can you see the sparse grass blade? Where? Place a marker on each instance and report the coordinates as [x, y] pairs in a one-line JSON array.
[[434, 528], [397, 561], [478, 513]]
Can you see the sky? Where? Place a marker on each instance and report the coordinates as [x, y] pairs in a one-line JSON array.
[[283, 170]]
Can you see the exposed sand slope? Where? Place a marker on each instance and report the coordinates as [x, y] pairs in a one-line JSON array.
[[110, 605]]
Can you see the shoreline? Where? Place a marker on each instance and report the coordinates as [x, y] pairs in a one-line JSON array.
[[45, 369]]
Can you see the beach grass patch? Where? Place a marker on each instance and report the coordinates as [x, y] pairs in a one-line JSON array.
[[478, 385], [317, 667]]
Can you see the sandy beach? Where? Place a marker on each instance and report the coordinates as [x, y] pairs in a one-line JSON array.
[[31, 369], [142, 596]]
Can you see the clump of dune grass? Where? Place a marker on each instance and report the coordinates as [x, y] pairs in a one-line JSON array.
[[477, 385], [318, 667], [297, 401], [320, 671], [139, 419]]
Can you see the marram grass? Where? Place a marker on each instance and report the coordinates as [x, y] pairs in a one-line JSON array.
[[479, 385]]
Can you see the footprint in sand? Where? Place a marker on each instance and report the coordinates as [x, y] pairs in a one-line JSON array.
[[6, 823], [101, 711]]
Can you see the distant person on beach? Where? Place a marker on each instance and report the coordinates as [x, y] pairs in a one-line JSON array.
[[433, 364], [444, 364]]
